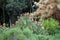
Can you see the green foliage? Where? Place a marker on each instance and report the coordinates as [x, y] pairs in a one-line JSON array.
[[19, 4], [26, 30], [25, 34], [51, 25], [18, 34], [57, 36], [26, 22]]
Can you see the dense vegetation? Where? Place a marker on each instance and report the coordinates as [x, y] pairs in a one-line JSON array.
[[25, 28], [10, 9]]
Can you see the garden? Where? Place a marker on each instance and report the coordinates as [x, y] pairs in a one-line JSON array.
[[29, 20]]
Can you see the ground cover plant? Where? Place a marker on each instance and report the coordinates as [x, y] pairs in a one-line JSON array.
[[26, 30]]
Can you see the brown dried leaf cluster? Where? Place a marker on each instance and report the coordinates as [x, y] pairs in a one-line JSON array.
[[45, 9]]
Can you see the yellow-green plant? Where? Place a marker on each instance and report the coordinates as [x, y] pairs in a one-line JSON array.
[[50, 25]]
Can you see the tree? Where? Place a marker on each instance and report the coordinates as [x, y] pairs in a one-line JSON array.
[[14, 7]]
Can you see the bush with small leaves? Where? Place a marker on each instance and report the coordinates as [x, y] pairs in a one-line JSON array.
[[50, 25]]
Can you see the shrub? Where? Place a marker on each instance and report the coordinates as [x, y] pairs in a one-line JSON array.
[[50, 25], [26, 30]]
